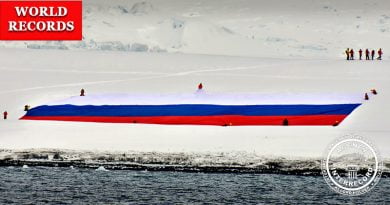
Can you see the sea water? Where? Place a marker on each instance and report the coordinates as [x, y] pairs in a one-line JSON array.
[[39, 185]]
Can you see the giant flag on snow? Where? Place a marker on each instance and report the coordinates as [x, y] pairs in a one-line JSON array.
[[202, 109]]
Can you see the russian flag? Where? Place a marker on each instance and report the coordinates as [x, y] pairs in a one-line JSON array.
[[201, 109]]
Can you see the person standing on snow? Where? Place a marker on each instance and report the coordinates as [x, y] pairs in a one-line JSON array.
[[82, 92], [372, 54], [351, 53], [367, 54], [380, 54], [360, 54], [5, 115], [347, 53], [200, 86]]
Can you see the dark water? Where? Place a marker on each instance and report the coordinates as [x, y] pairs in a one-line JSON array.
[[40, 185]]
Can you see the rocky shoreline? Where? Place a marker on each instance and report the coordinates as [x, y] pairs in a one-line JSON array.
[[176, 162]]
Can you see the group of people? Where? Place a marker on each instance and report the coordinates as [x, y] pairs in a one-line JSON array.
[[350, 53]]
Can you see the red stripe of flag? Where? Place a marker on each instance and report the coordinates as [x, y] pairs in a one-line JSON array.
[[227, 120]]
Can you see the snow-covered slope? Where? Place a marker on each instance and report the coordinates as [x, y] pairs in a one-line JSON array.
[[299, 45], [36, 77], [277, 28]]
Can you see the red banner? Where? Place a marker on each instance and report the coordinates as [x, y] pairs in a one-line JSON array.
[[41, 20]]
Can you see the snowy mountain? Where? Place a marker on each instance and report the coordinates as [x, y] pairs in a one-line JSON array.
[[294, 28]]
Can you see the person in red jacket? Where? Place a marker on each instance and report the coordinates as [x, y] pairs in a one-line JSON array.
[[200, 86], [360, 54], [351, 53], [380, 54], [367, 54], [5, 115]]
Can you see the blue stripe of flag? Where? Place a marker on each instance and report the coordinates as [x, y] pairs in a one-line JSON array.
[[191, 110]]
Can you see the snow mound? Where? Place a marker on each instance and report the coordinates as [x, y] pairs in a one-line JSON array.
[[101, 168], [140, 8]]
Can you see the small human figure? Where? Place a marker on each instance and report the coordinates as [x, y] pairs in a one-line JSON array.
[[200, 86], [347, 53], [366, 97], [373, 91], [360, 54], [367, 54], [26, 107], [285, 122], [351, 53], [82, 92], [5, 115], [372, 54], [380, 52]]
